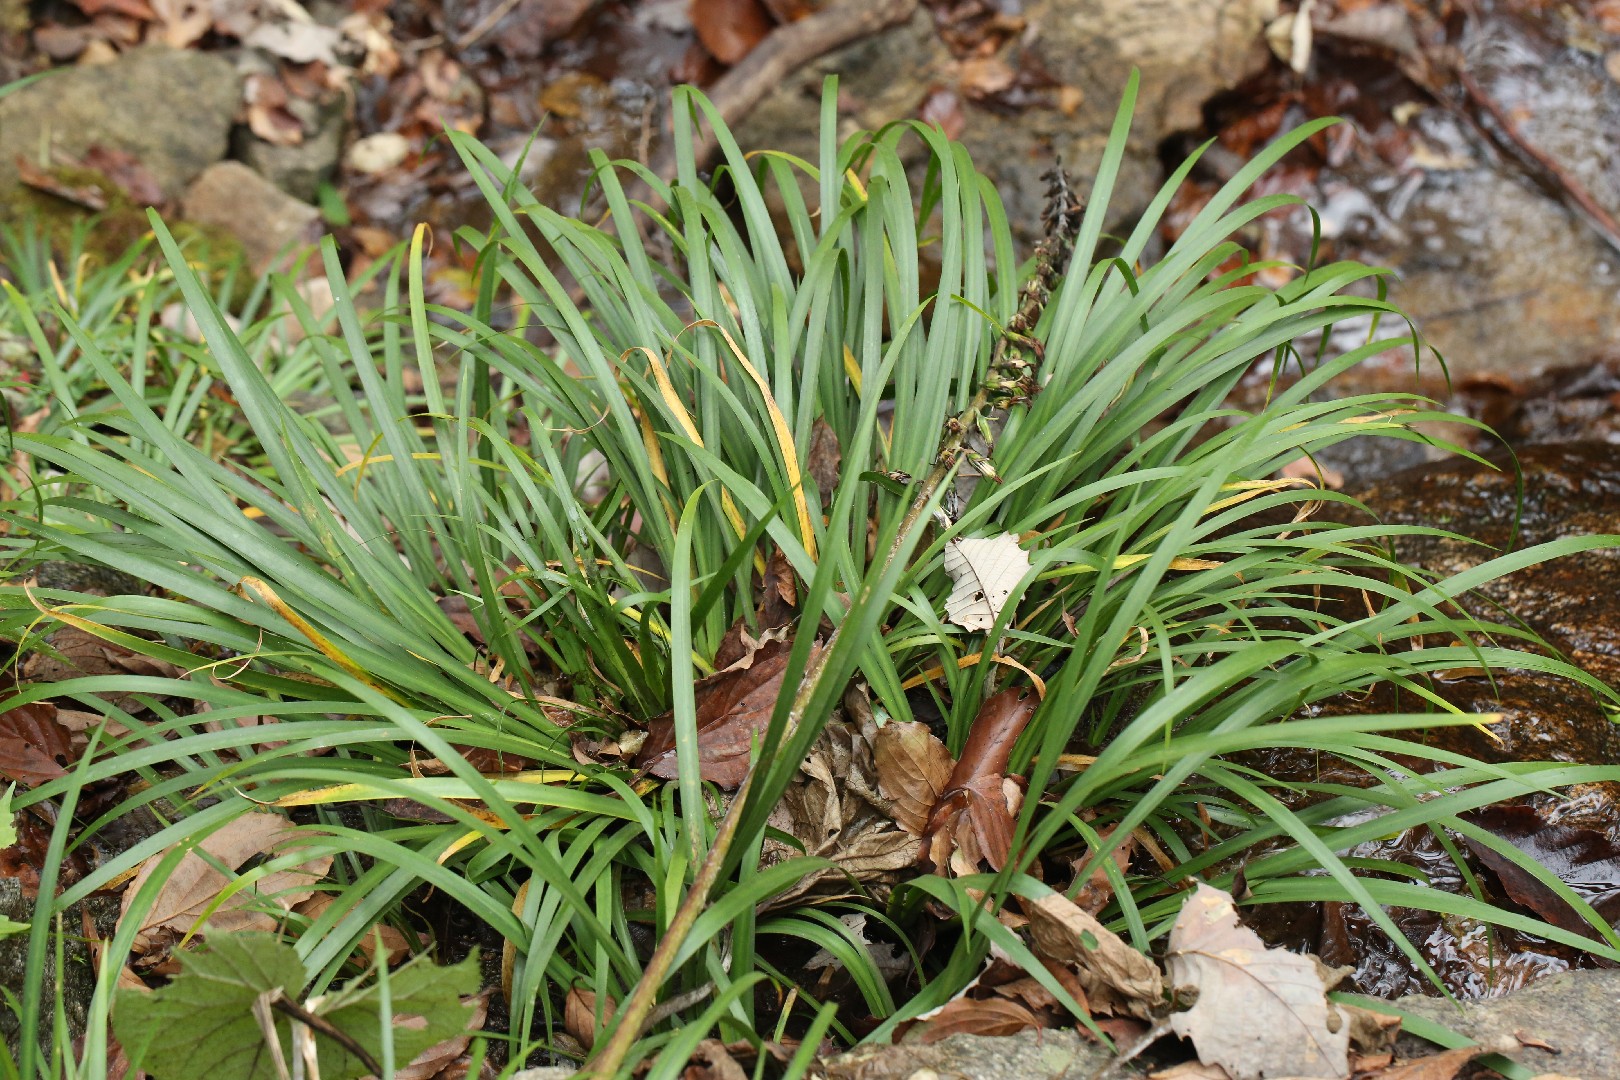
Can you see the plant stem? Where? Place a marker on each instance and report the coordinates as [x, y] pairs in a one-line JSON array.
[[633, 1016], [1062, 219], [329, 1029]]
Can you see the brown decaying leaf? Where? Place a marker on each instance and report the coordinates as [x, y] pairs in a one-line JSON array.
[[1585, 860], [135, 9], [193, 886], [973, 821], [1191, 1070], [1259, 1011], [974, 1016], [730, 29], [824, 464], [1098, 889], [1116, 978], [1446, 1065], [711, 1060], [34, 748], [733, 708], [80, 653], [780, 593], [431, 1063], [579, 1015], [1001, 719], [834, 810], [913, 769], [126, 171], [88, 196], [944, 107]]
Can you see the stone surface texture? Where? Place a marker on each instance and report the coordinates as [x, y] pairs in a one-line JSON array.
[[1186, 50], [1029, 1055], [266, 220], [1573, 1013], [135, 104]]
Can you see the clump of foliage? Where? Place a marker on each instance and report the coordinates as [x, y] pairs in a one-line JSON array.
[[604, 505]]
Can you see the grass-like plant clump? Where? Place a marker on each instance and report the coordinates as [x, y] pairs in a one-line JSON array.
[[737, 405]]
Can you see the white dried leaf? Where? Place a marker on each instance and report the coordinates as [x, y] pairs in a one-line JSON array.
[[984, 571], [1260, 1012], [300, 42]]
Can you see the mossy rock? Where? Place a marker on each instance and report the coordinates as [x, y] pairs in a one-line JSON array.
[[71, 230]]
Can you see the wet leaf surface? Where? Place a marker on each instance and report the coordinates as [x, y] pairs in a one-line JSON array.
[[1585, 860]]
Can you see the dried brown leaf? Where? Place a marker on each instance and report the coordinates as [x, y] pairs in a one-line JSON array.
[[395, 945], [80, 653], [733, 708], [833, 810], [985, 76], [192, 888], [1259, 1011], [134, 9], [1001, 719], [973, 821], [913, 768], [730, 29], [1446, 1065], [34, 748], [712, 1060], [1117, 979], [579, 1015], [1191, 1070], [126, 171], [824, 465], [1098, 889], [972, 1016], [431, 1063], [88, 196]]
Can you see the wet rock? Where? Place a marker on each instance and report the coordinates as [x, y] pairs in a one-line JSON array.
[[1568, 490], [1572, 1014], [1576, 402], [266, 220], [134, 104], [78, 977], [85, 578], [1029, 1055], [1186, 50]]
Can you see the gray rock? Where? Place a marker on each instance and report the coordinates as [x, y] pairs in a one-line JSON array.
[[1187, 51], [299, 170], [77, 978], [1029, 1055], [170, 108], [266, 220], [1573, 1013]]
